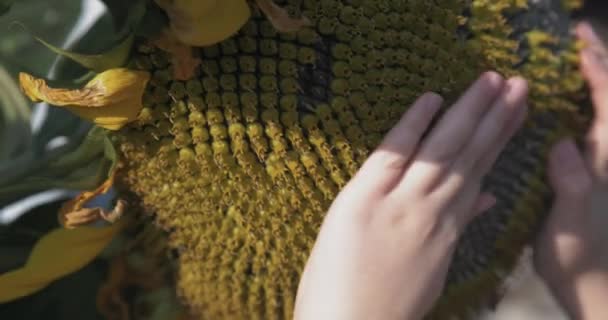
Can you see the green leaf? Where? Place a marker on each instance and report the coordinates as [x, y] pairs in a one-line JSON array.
[[118, 10], [86, 167], [70, 166], [153, 22], [5, 6], [113, 58], [14, 119], [84, 178], [127, 15], [92, 147]]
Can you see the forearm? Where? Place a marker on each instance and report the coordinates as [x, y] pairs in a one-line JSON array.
[[586, 297]]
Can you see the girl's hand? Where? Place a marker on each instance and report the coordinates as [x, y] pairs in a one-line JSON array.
[[570, 253], [387, 240]]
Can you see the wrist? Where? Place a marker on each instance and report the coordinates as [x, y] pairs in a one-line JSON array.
[[583, 296]]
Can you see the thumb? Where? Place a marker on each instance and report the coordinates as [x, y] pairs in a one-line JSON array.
[[569, 177]]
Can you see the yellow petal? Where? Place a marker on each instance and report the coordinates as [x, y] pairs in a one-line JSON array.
[[204, 22], [55, 255], [112, 99]]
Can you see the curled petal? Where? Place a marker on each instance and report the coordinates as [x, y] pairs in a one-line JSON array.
[[205, 22], [110, 100], [86, 216], [73, 214], [116, 213], [80, 217], [82, 198]]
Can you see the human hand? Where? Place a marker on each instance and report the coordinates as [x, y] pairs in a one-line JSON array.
[[571, 252], [386, 243]]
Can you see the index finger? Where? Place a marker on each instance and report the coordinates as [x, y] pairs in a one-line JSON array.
[[453, 131], [458, 124]]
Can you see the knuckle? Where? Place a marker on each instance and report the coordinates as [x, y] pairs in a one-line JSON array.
[[387, 160], [394, 156]]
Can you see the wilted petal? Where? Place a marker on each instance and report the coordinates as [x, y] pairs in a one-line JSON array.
[[279, 17], [183, 57], [110, 100], [85, 216], [73, 213]]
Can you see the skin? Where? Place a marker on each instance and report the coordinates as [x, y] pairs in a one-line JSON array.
[[405, 209], [403, 212], [570, 253]]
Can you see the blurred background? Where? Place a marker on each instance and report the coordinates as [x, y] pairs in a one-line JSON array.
[[52, 20], [32, 135]]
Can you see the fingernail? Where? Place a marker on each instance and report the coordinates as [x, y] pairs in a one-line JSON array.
[[515, 82], [434, 98], [586, 32], [595, 44]]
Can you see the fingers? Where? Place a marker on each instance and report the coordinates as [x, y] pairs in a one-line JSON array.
[[594, 65], [597, 151], [453, 131], [568, 175], [390, 159], [462, 209], [494, 131], [484, 202], [488, 140], [456, 127], [487, 162]]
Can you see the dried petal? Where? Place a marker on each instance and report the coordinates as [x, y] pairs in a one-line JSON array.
[[279, 17], [182, 56], [110, 100], [116, 213], [73, 213], [205, 22], [86, 216]]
